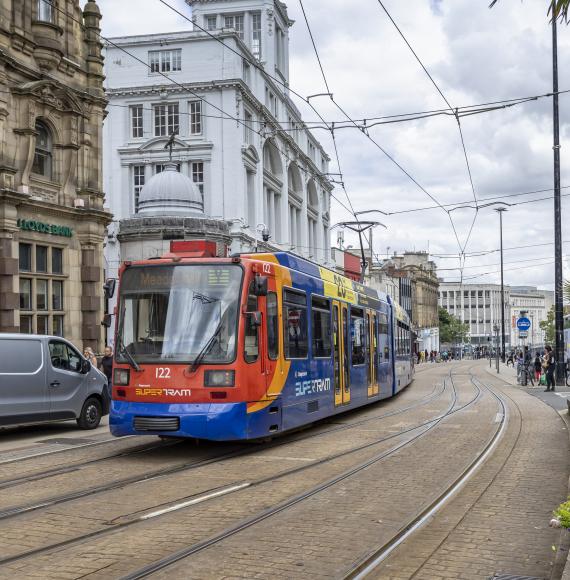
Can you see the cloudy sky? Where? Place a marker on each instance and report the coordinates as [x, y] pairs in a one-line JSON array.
[[475, 55]]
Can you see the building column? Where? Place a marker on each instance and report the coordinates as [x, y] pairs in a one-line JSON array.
[[9, 298], [91, 299]]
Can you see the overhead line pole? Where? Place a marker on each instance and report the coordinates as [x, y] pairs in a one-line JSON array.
[[558, 297]]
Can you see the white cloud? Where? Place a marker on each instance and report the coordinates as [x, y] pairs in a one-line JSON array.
[[475, 55]]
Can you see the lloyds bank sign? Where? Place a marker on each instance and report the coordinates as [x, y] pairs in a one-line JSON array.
[[43, 228]]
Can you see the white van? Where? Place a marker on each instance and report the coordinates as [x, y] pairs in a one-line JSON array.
[[45, 378]]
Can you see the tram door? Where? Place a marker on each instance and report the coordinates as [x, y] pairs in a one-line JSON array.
[[341, 385], [346, 346], [373, 356]]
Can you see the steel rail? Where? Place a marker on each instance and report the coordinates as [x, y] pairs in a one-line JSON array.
[[362, 568], [233, 530], [234, 486]]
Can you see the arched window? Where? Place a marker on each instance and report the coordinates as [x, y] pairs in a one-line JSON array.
[[43, 155]]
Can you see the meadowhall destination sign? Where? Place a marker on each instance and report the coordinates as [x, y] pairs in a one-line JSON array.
[[43, 228]]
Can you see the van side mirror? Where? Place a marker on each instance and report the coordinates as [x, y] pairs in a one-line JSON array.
[[109, 287], [106, 322], [85, 366], [260, 286]]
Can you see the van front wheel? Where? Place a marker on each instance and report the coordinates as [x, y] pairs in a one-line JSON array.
[[90, 414]]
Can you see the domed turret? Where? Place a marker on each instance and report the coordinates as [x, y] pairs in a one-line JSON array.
[[170, 193]]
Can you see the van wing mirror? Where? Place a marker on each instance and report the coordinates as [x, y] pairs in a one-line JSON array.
[[106, 322], [260, 285], [85, 366], [109, 287]]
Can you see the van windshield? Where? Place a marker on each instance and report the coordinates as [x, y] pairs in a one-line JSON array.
[[172, 313]]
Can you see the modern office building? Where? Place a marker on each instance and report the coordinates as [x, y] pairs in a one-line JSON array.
[[52, 221], [479, 306]]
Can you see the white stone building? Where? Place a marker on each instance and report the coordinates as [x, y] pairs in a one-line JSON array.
[[239, 136], [478, 305]]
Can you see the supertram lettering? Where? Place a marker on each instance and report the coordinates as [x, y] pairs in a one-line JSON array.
[[163, 392], [312, 387]]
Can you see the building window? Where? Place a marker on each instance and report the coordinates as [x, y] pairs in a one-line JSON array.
[[137, 121], [211, 22], [311, 150], [246, 70], [162, 61], [256, 35], [40, 296], [56, 261], [43, 153], [160, 167], [46, 10], [195, 117], [166, 120], [138, 184], [26, 324], [41, 259], [25, 294], [25, 257], [57, 325], [198, 175], [247, 127], [57, 295]]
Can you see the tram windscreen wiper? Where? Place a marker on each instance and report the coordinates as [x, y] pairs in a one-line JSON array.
[[206, 348], [122, 348]]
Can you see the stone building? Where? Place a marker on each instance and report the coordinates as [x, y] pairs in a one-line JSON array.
[[415, 277], [530, 302], [52, 221], [238, 135]]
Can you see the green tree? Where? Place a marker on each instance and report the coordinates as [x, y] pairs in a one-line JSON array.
[[548, 327], [451, 329], [561, 8]]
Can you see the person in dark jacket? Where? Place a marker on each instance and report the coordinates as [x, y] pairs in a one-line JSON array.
[[537, 367], [107, 368]]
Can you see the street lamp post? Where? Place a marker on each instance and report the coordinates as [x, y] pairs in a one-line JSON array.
[[500, 211], [558, 298]]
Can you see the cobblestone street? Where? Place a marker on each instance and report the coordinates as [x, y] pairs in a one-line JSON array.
[[318, 503]]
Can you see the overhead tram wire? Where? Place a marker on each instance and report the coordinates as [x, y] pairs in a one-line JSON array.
[[380, 147], [456, 115]]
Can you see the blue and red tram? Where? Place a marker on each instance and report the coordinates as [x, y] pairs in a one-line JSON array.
[[249, 346]]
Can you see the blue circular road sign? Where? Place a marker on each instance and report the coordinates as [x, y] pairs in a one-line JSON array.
[[523, 323]]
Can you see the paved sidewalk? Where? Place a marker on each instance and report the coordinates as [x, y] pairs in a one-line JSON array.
[[498, 523]]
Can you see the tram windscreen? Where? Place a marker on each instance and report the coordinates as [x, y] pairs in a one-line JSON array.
[[175, 313]]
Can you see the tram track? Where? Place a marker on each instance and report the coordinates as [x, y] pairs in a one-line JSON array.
[[243, 449], [232, 487], [231, 531], [362, 568]]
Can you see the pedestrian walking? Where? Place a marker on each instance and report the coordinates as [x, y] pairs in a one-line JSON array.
[[511, 358], [107, 368], [549, 365], [537, 367], [90, 355]]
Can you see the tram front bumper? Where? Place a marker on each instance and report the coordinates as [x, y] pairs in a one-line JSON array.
[[215, 421]]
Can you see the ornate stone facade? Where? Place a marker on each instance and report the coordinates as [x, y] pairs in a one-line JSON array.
[[52, 221]]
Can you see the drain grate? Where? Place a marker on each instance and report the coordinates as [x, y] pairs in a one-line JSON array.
[[501, 576], [67, 441]]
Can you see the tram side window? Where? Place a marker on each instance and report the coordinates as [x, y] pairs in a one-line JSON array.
[[251, 342], [322, 331], [358, 336], [295, 318], [272, 326], [383, 331]]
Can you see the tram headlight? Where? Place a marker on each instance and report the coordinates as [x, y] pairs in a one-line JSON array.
[[121, 377], [219, 378]]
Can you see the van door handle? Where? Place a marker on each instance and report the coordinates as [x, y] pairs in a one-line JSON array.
[[54, 384]]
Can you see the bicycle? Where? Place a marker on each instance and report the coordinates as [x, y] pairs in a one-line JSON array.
[[527, 376]]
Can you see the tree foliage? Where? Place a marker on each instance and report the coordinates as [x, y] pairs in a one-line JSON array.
[[561, 9], [451, 329], [549, 327]]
